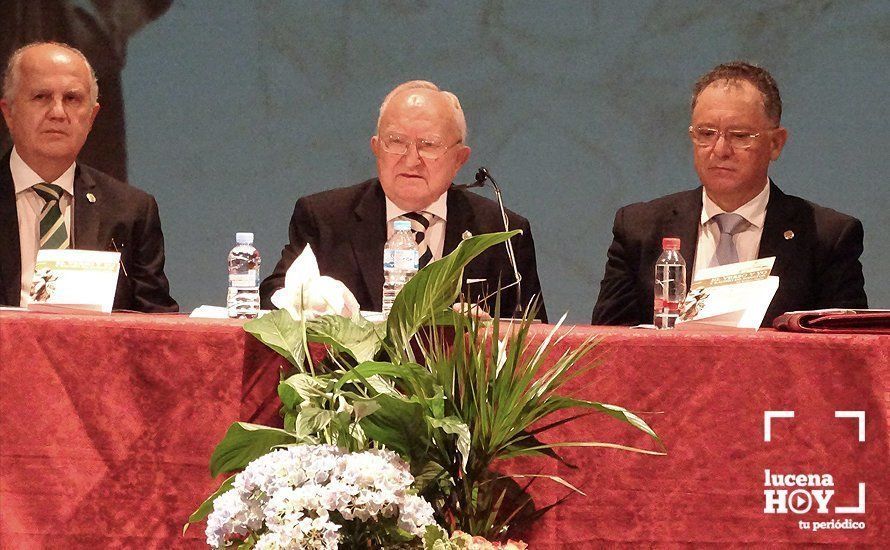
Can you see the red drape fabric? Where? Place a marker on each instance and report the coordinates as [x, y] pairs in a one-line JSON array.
[[107, 424]]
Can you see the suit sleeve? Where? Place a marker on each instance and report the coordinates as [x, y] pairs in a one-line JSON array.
[[528, 269], [840, 279], [302, 230], [619, 301], [145, 270]]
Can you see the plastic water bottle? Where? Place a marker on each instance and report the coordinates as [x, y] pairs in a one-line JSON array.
[[243, 299], [670, 284], [400, 258]]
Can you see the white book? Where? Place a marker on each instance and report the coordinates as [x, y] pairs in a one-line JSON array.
[[729, 297], [81, 280]]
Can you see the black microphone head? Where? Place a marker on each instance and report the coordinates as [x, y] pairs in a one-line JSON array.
[[481, 175]]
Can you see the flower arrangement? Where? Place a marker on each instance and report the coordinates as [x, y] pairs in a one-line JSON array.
[[448, 392], [464, 541], [319, 496]]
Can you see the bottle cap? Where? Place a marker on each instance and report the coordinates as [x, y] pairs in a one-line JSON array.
[[670, 243], [244, 238], [401, 225]]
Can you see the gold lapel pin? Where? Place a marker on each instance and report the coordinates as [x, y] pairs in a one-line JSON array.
[[465, 235], [91, 197], [789, 235]]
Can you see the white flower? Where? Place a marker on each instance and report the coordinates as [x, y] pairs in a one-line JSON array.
[[416, 513], [232, 516], [285, 497], [307, 294]]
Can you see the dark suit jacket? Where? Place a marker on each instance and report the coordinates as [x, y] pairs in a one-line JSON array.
[[817, 268], [120, 212], [346, 228]]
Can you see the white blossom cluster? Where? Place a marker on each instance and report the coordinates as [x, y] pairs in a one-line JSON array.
[[287, 497]]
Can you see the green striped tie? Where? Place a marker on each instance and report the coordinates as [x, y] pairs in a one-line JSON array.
[[53, 233]]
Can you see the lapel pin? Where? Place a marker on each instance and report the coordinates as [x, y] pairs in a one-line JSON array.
[[465, 235], [789, 235], [91, 197]]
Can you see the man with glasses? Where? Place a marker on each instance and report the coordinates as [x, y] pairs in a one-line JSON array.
[[738, 214], [419, 146]]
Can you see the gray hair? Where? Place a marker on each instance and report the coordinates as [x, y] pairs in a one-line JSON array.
[[457, 111], [13, 70]]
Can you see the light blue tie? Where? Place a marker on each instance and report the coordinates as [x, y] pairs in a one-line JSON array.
[[729, 224]]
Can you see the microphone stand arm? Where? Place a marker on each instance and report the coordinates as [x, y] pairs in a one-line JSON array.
[[509, 245]]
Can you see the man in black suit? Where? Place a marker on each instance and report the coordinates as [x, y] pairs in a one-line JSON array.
[[50, 100], [736, 134], [419, 147]]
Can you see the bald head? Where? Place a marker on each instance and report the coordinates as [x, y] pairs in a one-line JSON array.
[[49, 105], [419, 144], [62, 53], [417, 91]]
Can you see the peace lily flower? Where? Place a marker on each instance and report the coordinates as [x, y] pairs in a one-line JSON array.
[[307, 294]]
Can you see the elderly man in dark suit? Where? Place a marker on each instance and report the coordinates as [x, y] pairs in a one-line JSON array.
[[48, 200], [737, 214], [419, 147]]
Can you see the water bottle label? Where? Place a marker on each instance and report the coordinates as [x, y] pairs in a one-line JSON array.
[[405, 260], [244, 280]]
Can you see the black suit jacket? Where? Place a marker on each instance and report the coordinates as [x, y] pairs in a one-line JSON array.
[[120, 212], [346, 228], [817, 268]]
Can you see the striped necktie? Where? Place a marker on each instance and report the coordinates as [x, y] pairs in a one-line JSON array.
[[420, 222], [53, 233]]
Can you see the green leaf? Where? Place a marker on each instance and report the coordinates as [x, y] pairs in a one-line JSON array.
[[434, 534], [453, 425], [311, 420], [364, 407], [418, 377], [531, 450], [398, 424], [302, 387], [434, 288], [360, 339], [555, 479], [280, 332], [427, 474], [624, 415], [243, 443], [207, 506]]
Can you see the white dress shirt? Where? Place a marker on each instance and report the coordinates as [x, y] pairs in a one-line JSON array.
[[28, 205], [747, 242], [435, 233]]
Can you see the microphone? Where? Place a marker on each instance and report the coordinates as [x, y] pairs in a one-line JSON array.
[[483, 175]]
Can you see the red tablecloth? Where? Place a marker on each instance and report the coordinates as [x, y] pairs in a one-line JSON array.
[[107, 424], [706, 395]]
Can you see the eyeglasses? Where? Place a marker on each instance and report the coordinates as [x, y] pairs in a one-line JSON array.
[[737, 139], [431, 149]]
